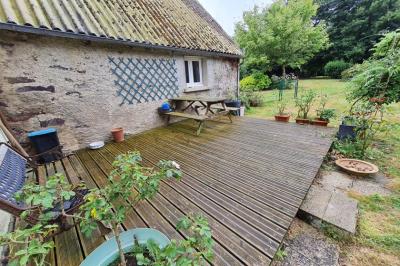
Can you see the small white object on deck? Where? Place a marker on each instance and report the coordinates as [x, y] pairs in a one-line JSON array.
[[96, 145]]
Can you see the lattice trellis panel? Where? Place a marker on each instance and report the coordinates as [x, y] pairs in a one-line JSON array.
[[144, 80]]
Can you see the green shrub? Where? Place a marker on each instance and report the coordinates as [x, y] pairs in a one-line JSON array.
[[255, 82], [335, 68], [251, 99]]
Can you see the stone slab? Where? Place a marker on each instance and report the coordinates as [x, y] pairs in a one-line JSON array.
[[342, 212], [336, 180], [316, 201]]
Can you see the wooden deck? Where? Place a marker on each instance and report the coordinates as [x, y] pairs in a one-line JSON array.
[[248, 178]]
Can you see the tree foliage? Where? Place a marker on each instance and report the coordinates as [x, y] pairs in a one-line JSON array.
[[354, 27], [283, 34], [379, 76]]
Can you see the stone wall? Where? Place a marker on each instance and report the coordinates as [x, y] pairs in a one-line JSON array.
[[68, 84]]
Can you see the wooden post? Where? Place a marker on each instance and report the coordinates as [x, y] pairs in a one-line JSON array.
[[11, 137]]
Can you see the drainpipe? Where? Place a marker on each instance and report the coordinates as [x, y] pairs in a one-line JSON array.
[[238, 79]]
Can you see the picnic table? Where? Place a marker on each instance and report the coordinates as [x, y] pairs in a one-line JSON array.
[[214, 106], [201, 102]]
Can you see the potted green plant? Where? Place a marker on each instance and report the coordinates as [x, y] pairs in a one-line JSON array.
[[130, 182], [324, 115], [281, 116], [304, 104]]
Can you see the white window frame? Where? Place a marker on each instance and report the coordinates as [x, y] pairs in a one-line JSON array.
[[190, 61]]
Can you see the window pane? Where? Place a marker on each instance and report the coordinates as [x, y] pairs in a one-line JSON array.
[[187, 71], [196, 71]]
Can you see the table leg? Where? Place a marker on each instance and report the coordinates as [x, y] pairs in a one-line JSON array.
[[190, 105], [209, 108]]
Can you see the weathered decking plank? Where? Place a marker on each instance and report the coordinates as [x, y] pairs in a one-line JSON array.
[[248, 178]]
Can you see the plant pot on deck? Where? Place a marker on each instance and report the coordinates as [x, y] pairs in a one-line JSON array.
[[302, 121], [118, 134], [107, 252], [319, 122], [282, 118]]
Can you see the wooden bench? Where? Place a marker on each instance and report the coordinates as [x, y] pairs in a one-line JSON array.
[[198, 118], [225, 111]]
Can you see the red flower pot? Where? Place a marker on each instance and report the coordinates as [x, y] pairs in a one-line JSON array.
[[282, 118], [377, 99], [118, 134], [321, 123], [302, 121]]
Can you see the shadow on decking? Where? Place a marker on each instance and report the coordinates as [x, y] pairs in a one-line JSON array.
[[248, 178]]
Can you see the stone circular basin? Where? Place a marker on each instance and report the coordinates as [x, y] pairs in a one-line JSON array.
[[357, 167]]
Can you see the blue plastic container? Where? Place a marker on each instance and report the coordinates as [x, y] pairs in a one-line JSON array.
[[44, 140], [107, 252]]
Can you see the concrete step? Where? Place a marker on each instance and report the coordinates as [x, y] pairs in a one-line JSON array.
[[332, 206]]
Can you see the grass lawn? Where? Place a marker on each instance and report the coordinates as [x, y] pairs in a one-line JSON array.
[[377, 241], [335, 89]]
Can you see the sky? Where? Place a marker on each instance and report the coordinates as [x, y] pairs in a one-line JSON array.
[[228, 12]]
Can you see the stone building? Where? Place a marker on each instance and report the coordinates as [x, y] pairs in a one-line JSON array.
[[85, 67]]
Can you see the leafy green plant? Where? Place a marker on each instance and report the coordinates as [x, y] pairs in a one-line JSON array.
[[251, 99], [31, 244], [194, 250], [130, 182], [326, 114], [281, 106], [255, 82], [41, 198], [335, 68], [28, 244], [304, 104], [281, 254], [368, 121]]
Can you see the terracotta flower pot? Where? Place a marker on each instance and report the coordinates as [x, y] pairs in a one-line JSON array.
[[282, 118], [118, 134], [378, 100], [302, 121], [318, 122]]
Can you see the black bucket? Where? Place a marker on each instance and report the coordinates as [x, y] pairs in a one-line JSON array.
[[346, 132], [44, 140], [234, 103]]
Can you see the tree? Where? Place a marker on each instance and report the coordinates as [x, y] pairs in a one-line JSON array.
[[379, 77], [283, 34], [354, 27]]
